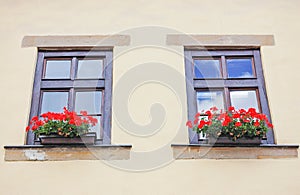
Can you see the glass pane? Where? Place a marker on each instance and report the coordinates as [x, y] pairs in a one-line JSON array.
[[58, 69], [89, 101], [54, 101], [90, 69], [240, 68], [244, 99], [207, 69], [97, 128], [208, 99]]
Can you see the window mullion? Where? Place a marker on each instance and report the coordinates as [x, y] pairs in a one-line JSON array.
[[226, 90], [227, 98], [71, 100], [224, 68], [74, 68]]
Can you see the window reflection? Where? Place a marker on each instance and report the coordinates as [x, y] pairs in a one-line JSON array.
[[89, 68], [207, 68], [97, 127], [244, 99], [208, 99], [89, 101], [54, 101], [57, 69], [240, 68]]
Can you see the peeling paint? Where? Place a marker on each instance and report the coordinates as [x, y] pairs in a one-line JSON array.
[[35, 155]]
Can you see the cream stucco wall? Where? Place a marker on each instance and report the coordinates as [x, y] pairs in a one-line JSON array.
[[65, 17]]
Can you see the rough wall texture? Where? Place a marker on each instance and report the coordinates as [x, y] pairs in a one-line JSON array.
[[66, 17]]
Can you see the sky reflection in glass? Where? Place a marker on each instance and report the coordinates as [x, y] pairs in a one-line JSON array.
[[207, 69], [239, 68], [208, 99]]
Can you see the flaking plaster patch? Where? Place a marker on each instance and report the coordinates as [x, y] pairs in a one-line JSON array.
[[35, 155]]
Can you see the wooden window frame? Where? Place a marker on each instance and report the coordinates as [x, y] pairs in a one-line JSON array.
[[195, 84], [104, 84]]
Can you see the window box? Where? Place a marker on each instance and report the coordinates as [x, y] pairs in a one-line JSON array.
[[241, 141], [55, 139]]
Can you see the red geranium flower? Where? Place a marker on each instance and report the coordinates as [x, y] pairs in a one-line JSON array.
[[201, 124], [219, 122], [196, 121], [34, 127], [236, 115], [189, 124], [256, 123], [247, 121], [214, 109], [270, 125], [197, 115], [35, 118], [84, 113], [231, 108], [67, 123], [238, 124]]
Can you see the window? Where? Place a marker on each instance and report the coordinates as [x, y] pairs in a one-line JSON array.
[[224, 78], [78, 80]]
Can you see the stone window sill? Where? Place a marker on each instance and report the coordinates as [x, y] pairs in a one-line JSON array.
[[205, 151], [66, 152]]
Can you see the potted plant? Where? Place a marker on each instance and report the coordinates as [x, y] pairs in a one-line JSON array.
[[232, 126], [63, 128]]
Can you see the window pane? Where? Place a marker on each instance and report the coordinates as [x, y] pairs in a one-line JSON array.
[[89, 101], [208, 99], [244, 99], [90, 69], [97, 128], [207, 69], [240, 68], [54, 101], [58, 69]]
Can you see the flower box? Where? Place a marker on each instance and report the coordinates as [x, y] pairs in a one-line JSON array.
[[232, 126], [54, 139], [63, 128], [241, 141]]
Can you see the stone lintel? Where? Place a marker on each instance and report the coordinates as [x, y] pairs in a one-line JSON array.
[[76, 41], [220, 40]]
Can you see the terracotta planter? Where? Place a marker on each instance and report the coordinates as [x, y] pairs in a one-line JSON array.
[[227, 141], [88, 138]]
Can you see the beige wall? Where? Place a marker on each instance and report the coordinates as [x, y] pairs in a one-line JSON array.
[[64, 17]]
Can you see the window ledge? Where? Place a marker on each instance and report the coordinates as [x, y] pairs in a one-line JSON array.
[[66, 153], [205, 151]]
